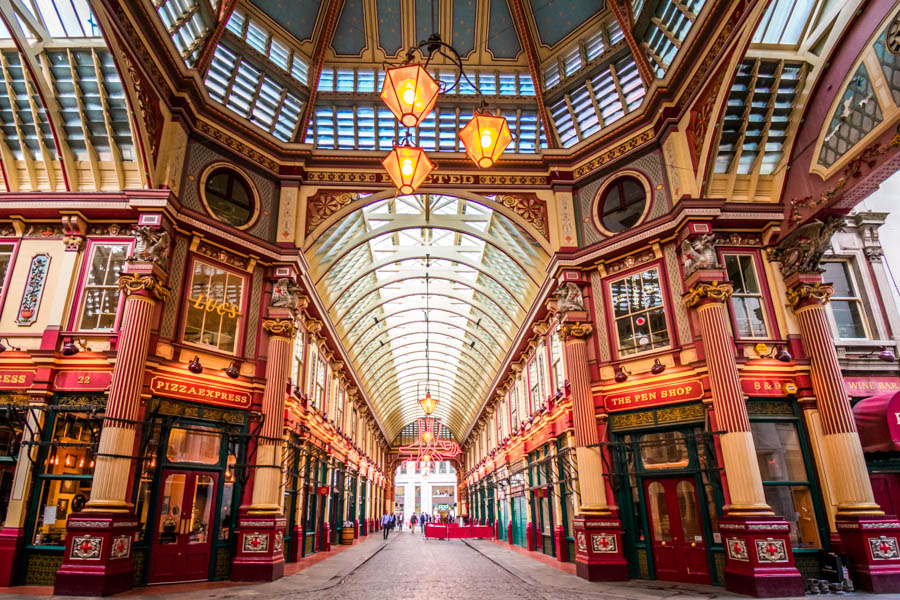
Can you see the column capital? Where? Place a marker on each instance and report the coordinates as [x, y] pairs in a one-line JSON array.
[[576, 330], [133, 283], [805, 293], [279, 327], [704, 292]]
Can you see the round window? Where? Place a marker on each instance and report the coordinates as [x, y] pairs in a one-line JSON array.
[[228, 197], [622, 204]]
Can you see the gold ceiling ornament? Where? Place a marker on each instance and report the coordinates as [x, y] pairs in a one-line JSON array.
[[717, 291], [133, 283], [576, 330]]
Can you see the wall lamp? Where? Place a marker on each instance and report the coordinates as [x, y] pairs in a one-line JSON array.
[[621, 374], [194, 366], [72, 347], [8, 346], [779, 353], [233, 370], [883, 354], [657, 367]]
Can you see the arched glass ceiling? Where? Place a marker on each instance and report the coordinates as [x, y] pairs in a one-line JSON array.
[[483, 272]]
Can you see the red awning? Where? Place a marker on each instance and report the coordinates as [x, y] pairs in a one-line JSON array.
[[878, 422]]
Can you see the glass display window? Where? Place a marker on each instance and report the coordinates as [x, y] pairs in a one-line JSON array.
[[638, 309], [200, 445], [229, 197], [846, 306], [214, 307], [6, 254], [100, 297], [747, 302]]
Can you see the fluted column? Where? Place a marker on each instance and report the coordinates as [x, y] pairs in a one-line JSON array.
[[109, 488], [708, 300], [267, 478], [587, 450], [843, 452]]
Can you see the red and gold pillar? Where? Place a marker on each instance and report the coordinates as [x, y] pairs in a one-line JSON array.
[[598, 529], [260, 530], [869, 537], [97, 559], [758, 557]]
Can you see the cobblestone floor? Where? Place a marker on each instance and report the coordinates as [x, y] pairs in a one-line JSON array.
[[407, 567]]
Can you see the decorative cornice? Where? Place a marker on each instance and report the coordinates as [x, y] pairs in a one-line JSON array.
[[279, 327], [576, 330], [716, 291], [819, 293], [313, 326], [131, 284]]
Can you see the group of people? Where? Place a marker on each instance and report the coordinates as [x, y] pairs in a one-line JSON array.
[[389, 521]]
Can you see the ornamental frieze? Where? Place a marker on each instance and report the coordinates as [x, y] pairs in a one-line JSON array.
[[528, 206], [322, 205], [715, 291], [615, 152]]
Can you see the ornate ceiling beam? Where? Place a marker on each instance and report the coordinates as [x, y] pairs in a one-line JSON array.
[[534, 65], [622, 10], [212, 40], [320, 47]]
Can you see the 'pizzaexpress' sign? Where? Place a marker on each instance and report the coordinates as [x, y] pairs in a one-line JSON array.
[[200, 391]]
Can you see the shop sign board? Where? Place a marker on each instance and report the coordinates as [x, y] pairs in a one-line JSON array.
[[82, 381], [893, 417], [768, 386], [206, 392], [668, 393], [16, 379], [870, 386]]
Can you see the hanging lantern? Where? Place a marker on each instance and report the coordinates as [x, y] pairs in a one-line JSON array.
[[410, 93], [428, 403], [408, 167], [485, 138]]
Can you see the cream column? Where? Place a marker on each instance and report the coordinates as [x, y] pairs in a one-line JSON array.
[[267, 479], [587, 441], [111, 474], [843, 452], [707, 300]]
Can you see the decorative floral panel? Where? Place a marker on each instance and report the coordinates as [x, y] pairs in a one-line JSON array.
[[86, 547], [34, 289]]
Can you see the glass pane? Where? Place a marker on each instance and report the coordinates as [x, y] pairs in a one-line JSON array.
[[664, 450], [194, 446], [659, 512], [778, 451], [172, 508], [225, 520], [690, 515], [733, 269], [796, 505], [838, 275], [59, 499], [750, 284], [204, 492], [848, 318]]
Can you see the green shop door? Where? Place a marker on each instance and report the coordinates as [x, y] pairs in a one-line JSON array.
[[519, 520], [503, 518]]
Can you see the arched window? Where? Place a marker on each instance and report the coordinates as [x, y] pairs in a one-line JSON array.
[[228, 197], [622, 204]]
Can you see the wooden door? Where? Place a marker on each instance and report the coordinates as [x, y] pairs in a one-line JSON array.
[[182, 543], [676, 530]]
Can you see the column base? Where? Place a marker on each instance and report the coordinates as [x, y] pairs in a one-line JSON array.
[[326, 537], [363, 528], [355, 530], [260, 548], [758, 557], [12, 548], [598, 548], [509, 537], [97, 558], [871, 543], [529, 536], [561, 544], [295, 553]]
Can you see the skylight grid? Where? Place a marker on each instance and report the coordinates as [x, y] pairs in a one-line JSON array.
[[252, 94], [275, 50], [368, 80], [65, 18], [783, 22], [584, 53], [668, 28], [188, 23], [23, 120]]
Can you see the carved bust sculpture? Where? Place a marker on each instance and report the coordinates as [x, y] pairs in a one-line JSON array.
[[285, 294], [802, 250], [153, 246]]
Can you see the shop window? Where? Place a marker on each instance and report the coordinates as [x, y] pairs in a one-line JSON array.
[[214, 308], [514, 404], [317, 381], [622, 204], [747, 300], [639, 313], [339, 406], [66, 472], [556, 361], [297, 358], [6, 253], [786, 479], [846, 304], [100, 299], [228, 197], [664, 450], [199, 445]]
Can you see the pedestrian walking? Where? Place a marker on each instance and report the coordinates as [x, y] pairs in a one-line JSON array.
[[412, 523], [400, 521], [385, 524]]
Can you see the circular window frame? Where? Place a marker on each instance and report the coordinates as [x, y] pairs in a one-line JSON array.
[[601, 191], [204, 176]]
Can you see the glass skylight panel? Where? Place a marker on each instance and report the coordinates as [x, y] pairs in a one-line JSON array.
[[615, 32], [16, 108], [257, 37], [630, 82], [326, 80], [594, 45], [526, 85], [66, 18], [236, 23], [188, 23], [487, 83], [507, 85], [783, 22], [572, 61]]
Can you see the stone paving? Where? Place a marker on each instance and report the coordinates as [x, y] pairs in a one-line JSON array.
[[407, 567]]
